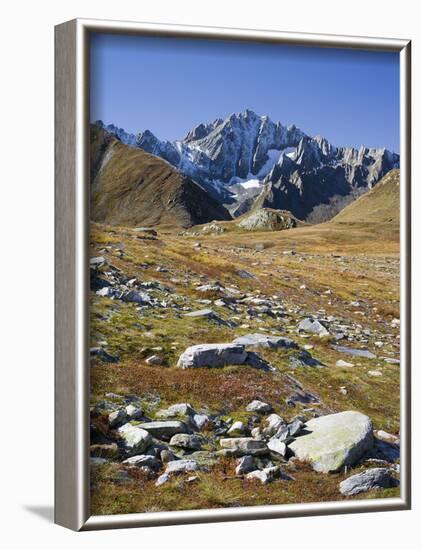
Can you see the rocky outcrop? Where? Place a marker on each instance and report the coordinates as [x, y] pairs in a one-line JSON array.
[[266, 219]]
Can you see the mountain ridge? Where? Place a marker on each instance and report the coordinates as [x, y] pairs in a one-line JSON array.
[[237, 159]]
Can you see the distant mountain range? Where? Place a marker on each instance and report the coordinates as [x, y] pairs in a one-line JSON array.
[[247, 161]]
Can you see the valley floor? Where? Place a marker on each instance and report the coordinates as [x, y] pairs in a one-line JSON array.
[[346, 276]]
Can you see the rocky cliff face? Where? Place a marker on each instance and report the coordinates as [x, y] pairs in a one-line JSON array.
[[247, 156]]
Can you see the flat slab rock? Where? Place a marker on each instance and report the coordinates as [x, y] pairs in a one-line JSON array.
[[355, 352], [374, 478], [163, 428], [262, 341], [212, 355], [333, 441]]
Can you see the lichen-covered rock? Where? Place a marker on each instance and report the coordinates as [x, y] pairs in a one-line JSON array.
[[333, 441], [135, 439], [212, 355], [374, 478]]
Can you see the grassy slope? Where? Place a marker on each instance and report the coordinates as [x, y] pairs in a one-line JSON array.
[[131, 187], [380, 205]]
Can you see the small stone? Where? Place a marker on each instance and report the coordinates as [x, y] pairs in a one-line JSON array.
[[154, 360], [117, 417], [245, 465], [313, 326], [374, 478], [200, 420], [238, 428], [259, 407], [105, 450], [164, 478], [134, 413], [342, 363], [267, 475], [277, 446], [186, 441], [241, 446], [374, 373]]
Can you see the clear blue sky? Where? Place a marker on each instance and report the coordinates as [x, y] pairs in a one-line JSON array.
[[170, 85]]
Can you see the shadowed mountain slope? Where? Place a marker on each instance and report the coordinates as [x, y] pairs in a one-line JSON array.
[[132, 187]]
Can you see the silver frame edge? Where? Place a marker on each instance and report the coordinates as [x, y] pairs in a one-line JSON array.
[[72, 276]]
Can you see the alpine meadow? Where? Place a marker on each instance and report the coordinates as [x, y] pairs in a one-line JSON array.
[[245, 275]]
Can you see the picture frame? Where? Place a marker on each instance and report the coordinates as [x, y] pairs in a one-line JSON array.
[[72, 480]]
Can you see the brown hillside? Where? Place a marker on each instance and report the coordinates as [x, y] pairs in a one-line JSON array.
[[131, 187], [379, 205]]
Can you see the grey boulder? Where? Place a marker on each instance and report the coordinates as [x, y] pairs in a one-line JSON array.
[[212, 355], [333, 441], [374, 478]]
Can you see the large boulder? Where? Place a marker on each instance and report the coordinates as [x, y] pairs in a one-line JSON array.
[[241, 446], [374, 478], [333, 441], [212, 355]]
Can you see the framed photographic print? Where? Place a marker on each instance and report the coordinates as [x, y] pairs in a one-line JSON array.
[[232, 274]]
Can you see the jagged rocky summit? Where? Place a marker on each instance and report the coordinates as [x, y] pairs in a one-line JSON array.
[[247, 161]]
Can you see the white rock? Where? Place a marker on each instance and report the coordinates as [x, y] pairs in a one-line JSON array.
[[212, 355], [238, 427], [117, 417], [267, 475], [258, 407], [135, 439], [277, 446], [342, 363], [134, 413], [312, 326]]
